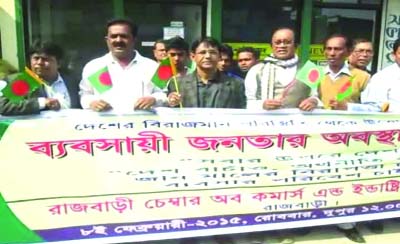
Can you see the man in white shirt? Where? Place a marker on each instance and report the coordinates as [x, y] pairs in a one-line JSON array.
[[58, 94], [268, 82], [131, 87], [383, 91]]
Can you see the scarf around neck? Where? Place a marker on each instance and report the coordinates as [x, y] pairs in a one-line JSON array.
[[268, 91], [283, 63]]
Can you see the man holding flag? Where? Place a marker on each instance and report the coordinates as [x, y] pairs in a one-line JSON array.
[[40, 88], [121, 79], [206, 87], [342, 84], [271, 84], [174, 65]]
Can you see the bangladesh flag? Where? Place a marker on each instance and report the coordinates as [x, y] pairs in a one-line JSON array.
[[164, 72], [346, 90], [310, 74], [21, 86], [101, 80]]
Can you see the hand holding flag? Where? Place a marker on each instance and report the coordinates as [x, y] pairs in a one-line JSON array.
[[165, 71], [310, 74]]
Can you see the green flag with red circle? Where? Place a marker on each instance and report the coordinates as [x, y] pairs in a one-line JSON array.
[[21, 86], [310, 74], [164, 72], [101, 80]]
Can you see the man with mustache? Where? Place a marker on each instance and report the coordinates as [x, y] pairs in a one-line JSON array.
[[45, 62], [130, 73], [337, 74]]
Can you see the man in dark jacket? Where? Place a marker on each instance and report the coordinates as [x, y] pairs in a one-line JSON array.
[[207, 87], [58, 94]]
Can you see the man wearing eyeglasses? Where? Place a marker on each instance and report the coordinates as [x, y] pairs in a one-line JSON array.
[[271, 84], [207, 87], [362, 54]]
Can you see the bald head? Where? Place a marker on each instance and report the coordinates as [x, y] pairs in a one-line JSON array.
[[283, 43]]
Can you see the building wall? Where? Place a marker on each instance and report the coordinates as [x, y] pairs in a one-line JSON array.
[[8, 32], [390, 31], [12, 38]]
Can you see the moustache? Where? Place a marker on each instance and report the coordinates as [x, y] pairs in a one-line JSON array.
[[119, 44]]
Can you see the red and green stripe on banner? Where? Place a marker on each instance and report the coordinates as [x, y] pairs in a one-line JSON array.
[[4, 124], [12, 229]]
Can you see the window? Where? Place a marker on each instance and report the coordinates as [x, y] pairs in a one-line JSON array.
[[153, 16], [254, 20], [355, 19], [76, 25]]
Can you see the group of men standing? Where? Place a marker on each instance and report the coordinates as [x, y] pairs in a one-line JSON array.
[[269, 84]]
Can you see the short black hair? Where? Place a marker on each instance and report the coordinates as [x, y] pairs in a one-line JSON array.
[[177, 42], [158, 41], [396, 45], [347, 41], [226, 49], [252, 50], [48, 48], [209, 41], [359, 40], [134, 28]]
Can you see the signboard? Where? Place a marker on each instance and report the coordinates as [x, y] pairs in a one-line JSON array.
[[147, 177], [316, 50], [170, 32], [390, 32]]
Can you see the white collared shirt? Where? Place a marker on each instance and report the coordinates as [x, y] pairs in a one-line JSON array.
[[128, 83], [57, 90], [382, 88], [334, 76]]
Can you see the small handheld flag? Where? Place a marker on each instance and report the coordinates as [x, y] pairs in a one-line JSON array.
[[310, 74], [346, 90], [22, 85], [101, 80], [164, 72]]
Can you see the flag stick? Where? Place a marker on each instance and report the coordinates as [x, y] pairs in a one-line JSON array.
[[35, 76], [174, 78], [43, 83], [177, 90]]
